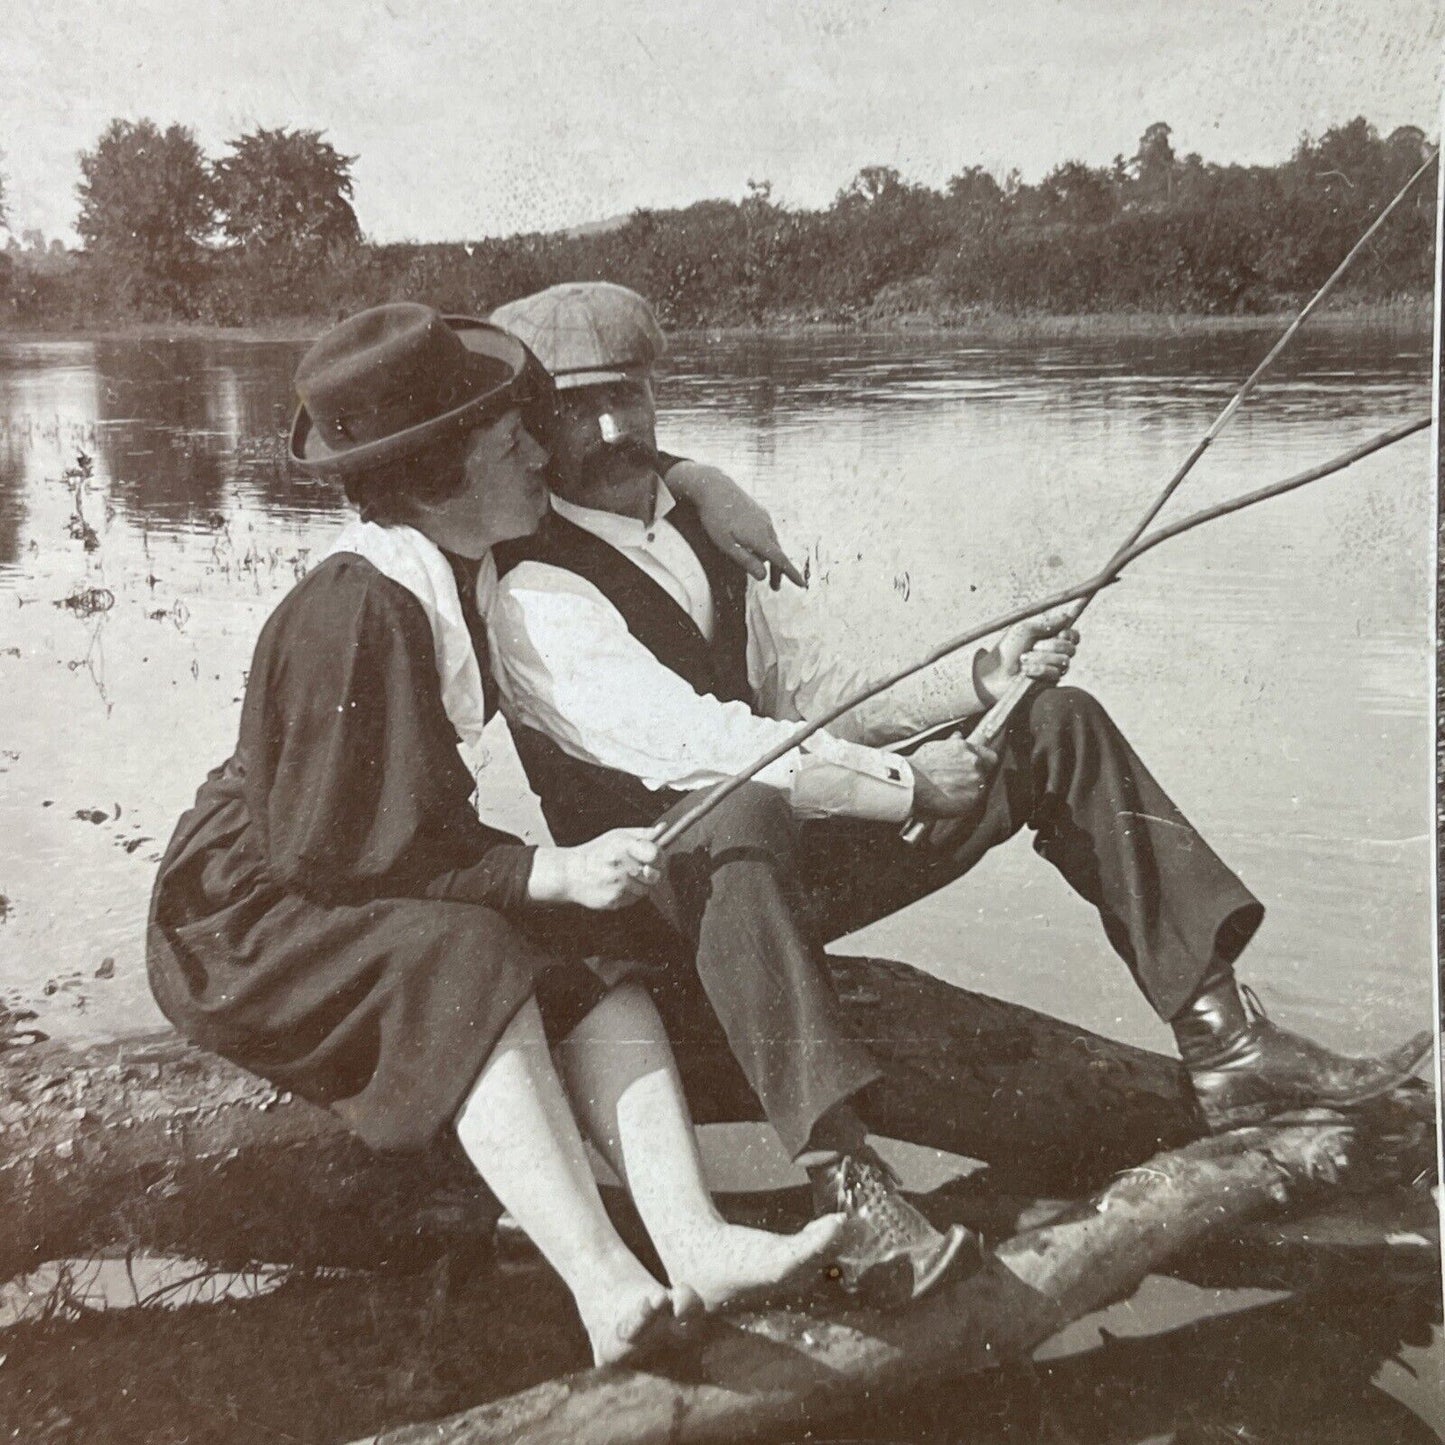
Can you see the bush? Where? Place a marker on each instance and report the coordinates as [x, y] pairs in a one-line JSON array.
[[1157, 233]]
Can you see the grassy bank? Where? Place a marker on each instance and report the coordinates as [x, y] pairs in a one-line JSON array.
[[1410, 315]]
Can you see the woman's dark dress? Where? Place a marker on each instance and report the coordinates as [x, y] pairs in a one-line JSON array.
[[331, 913]]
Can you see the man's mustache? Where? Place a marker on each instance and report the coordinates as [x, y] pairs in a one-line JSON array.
[[630, 448]]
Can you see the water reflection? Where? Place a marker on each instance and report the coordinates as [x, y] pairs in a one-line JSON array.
[[180, 421], [175, 424], [13, 449]]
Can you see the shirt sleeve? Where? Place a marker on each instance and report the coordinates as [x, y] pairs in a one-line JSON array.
[[353, 778], [796, 676], [568, 666]]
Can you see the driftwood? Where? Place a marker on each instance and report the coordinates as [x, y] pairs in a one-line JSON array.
[[155, 1145], [776, 1374]]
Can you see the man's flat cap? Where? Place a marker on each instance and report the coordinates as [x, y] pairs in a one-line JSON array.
[[585, 332]]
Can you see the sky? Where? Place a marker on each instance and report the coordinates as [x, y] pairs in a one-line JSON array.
[[470, 118]]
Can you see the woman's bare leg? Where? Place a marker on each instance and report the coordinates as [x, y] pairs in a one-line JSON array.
[[519, 1131], [620, 1073]]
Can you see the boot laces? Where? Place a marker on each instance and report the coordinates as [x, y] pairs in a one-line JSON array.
[[870, 1190]]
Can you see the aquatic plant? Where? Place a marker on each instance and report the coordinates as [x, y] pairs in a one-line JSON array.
[[77, 478], [87, 601]]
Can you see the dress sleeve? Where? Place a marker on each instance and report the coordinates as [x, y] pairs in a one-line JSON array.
[[353, 778], [498, 881]]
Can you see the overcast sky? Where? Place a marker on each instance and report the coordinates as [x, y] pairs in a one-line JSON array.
[[486, 117]]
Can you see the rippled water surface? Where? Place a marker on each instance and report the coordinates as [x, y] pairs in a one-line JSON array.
[[1273, 669]]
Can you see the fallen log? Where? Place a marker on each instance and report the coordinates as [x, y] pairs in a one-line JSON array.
[[155, 1144], [1385, 1235], [771, 1375]]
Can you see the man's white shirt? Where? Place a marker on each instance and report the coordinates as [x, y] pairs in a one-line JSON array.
[[567, 666]]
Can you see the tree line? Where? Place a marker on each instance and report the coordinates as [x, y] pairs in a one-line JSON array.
[[267, 231]]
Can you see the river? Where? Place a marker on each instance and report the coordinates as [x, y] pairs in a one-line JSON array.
[[1273, 669]]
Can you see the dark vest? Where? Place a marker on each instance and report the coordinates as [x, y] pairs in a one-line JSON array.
[[580, 799]]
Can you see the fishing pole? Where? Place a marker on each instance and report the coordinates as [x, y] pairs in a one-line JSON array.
[[1087, 588], [998, 716]]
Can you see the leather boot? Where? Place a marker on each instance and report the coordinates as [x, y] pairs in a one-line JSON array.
[[1244, 1069], [888, 1254]]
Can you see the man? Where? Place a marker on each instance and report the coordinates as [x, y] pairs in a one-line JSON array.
[[636, 667]]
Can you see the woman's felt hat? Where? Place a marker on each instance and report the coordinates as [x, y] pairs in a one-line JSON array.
[[390, 381], [586, 332]]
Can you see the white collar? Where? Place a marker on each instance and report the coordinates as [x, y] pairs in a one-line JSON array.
[[609, 526], [415, 562]]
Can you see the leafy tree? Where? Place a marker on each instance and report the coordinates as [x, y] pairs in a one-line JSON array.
[[286, 194], [1149, 232], [1154, 164], [1076, 192], [974, 187], [1345, 153], [975, 202], [1408, 142], [145, 206], [872, 184]]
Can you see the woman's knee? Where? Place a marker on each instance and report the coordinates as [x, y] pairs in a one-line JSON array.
[[626, 1005], [630, 999], [625, 1027], [1059, 710]]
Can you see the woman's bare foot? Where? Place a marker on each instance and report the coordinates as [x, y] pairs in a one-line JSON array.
[[643, 1326], [733, 1265]]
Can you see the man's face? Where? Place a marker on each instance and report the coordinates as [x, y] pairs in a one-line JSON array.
[[604, 448]]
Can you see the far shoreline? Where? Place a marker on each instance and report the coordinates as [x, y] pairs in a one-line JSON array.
[[1412, 315]]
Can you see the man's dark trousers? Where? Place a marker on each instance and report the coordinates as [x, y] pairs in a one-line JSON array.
[[757, 894]]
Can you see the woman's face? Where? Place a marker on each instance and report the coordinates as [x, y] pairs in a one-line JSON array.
[[505, 494]]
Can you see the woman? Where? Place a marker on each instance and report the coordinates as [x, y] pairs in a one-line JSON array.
[[332, 914]]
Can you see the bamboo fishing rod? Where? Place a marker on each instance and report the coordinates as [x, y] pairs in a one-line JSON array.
[[993, 723], [1087, 588]]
